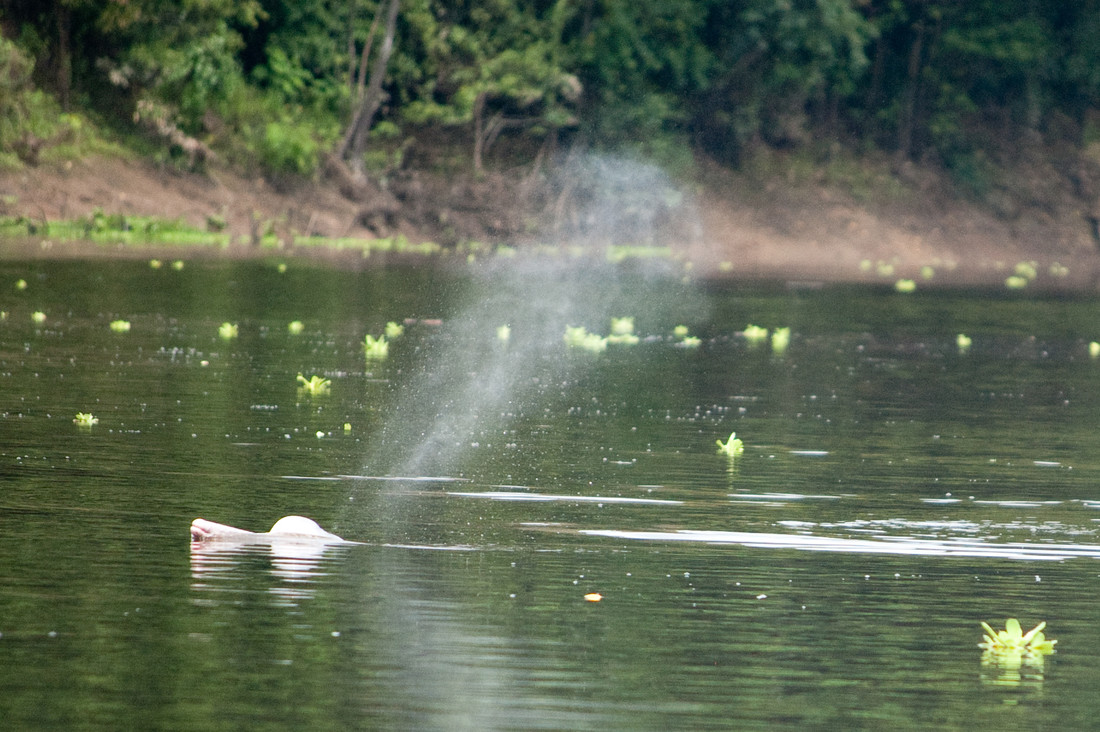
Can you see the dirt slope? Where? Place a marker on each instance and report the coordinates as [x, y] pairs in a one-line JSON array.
[[804, 230]]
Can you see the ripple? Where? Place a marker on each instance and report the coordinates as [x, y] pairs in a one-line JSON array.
[[878, 545], [520, 496]]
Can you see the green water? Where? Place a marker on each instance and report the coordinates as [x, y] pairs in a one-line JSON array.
[[893, 492]]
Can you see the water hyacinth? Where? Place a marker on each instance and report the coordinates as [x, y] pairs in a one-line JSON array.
[[504, 333], [731, 447], [120, 326], [622, 326], [38, 317], [754, 334], [579, 337], [1027, 270], [623, 339], [1094, 349], [962, 342], [905, 285], [314, 385], [622, 332], [394, 330], [376, 348], [1012, 644], [227, 331], [295, 327], [781, 338], [85, 419]]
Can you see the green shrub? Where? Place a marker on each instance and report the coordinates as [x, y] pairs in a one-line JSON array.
[[289, 148]]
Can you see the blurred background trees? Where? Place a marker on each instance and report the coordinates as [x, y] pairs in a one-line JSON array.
[[282, 83]]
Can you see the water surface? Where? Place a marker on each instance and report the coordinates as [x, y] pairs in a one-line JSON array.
[[893, 492]]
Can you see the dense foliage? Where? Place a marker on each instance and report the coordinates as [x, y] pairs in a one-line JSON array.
[[283, 81]]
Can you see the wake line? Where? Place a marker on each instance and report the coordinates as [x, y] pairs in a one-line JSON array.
[[896, 545]]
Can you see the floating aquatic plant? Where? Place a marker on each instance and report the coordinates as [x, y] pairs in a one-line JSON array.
[[680, 331], [1094, 349], [905, 285], [781, 338], [38, 316], [227, 331], [154, 264], [376, 348], [754, 334], [927, 272], [962, 342], [394, 330], [1027, 270], [178, 265], [622, 326], [574, 335], [731, 447], [690, 342], [1012, 644], [85, 419], [504, 333], [314, 384], [120, 326], [623, 339], [1016, 282], [295, 327], [579, 337], [20, 284]]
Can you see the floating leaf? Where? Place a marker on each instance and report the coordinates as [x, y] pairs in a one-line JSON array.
[[754, 334], [314, 384], [376, 348], [731, 447], [85, 419], [1013, 640], [781, 338]]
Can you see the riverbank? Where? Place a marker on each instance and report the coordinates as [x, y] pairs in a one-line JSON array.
[[808, 225]]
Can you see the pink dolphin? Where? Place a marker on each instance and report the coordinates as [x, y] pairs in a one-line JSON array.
[[288, 528]]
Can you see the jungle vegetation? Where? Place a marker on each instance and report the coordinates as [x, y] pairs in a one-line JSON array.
[[289, 84]]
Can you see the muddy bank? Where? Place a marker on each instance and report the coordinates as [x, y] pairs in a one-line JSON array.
[[726, 225]]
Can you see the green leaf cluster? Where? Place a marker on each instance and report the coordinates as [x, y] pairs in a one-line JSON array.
[[285, 76]]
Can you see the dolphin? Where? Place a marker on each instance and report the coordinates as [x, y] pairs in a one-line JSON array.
[[288, 528]]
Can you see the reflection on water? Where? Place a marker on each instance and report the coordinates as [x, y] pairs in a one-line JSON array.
[[294, 566]]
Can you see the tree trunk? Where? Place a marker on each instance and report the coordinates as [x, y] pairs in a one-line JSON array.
[[64, 55], [368, 44], [354, 142], [479, 131], [907, 121]]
